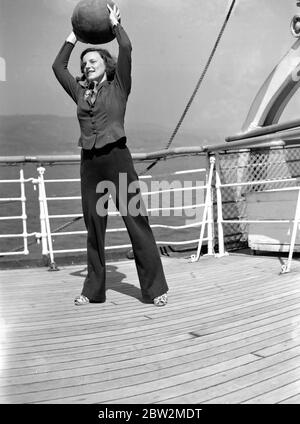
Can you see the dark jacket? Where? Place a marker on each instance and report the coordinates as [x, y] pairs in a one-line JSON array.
[[102, 122]]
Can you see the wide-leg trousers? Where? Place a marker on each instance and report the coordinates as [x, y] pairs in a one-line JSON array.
[[101, 166]]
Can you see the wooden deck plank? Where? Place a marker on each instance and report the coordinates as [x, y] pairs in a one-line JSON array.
[[102, 366], [264, 384], [234, 386], [290, 399], [164, 388], [92, 388], [13, 362], [105, 309], [198, 343], [59, 301], [214, 294], [278, 394], [40, 363], [230, 311], [191, 324], [125, 351], [232, 308], [230, 316], [103, 376]]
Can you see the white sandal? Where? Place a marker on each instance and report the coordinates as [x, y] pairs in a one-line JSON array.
[[81, 300], [161, 300]]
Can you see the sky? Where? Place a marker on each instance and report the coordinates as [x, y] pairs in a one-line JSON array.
[[172, 40]]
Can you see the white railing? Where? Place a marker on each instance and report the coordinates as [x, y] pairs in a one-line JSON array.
[[23, 217], [290, 183], [205, 223], [213, 186], [46, 235], [220, 221]]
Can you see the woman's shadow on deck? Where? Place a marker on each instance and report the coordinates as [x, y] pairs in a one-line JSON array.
[[114, 281]]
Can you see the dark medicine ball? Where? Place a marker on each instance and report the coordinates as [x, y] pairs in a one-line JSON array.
[[90, 21]]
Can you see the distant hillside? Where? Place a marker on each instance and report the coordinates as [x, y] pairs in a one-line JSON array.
[[37, 134], [49, 134]]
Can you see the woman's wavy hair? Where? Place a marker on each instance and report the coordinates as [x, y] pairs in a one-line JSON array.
[[109, 60]]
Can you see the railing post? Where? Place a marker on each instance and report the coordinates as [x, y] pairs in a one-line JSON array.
[[210, 217], [219, 210], [45, 222], [287, 266], [24, 215], [207, 203], [42, 236]]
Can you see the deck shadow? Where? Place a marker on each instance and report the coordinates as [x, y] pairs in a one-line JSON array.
[[115, 281]]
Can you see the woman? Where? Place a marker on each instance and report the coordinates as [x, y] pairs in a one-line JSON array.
[[101, 95]]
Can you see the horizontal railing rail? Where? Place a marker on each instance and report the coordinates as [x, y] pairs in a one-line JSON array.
[[177, 151], [285, 139], [268, 129]]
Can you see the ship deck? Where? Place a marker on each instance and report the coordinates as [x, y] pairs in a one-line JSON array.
[[230, 334]]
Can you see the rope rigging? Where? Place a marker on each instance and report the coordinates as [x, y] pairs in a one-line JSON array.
[[197, 85]]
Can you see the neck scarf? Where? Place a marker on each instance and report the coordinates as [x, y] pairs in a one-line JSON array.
[[91, 92]]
